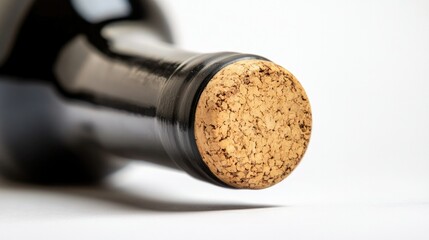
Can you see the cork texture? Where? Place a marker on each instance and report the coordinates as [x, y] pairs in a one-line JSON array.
[[252, 124]]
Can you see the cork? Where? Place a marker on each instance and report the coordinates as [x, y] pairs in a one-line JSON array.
[[252, 124]]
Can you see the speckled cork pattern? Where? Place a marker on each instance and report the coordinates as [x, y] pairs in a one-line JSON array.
[[252, 124]]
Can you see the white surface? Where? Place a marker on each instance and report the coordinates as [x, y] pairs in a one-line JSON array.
[[133, 205], [365, 66]]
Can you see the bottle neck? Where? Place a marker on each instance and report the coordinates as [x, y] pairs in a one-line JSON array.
[[122, 86]]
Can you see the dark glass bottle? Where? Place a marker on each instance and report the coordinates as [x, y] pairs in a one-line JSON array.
[[121, 89]]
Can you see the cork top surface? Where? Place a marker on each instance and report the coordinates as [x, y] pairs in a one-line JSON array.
[[252, 124]]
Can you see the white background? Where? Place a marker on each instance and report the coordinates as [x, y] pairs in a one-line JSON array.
[[365, 67]]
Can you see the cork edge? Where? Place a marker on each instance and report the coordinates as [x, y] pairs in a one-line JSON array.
[[226, 102]]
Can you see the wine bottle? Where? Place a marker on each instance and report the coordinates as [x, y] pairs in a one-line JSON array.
[[101, 79]]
